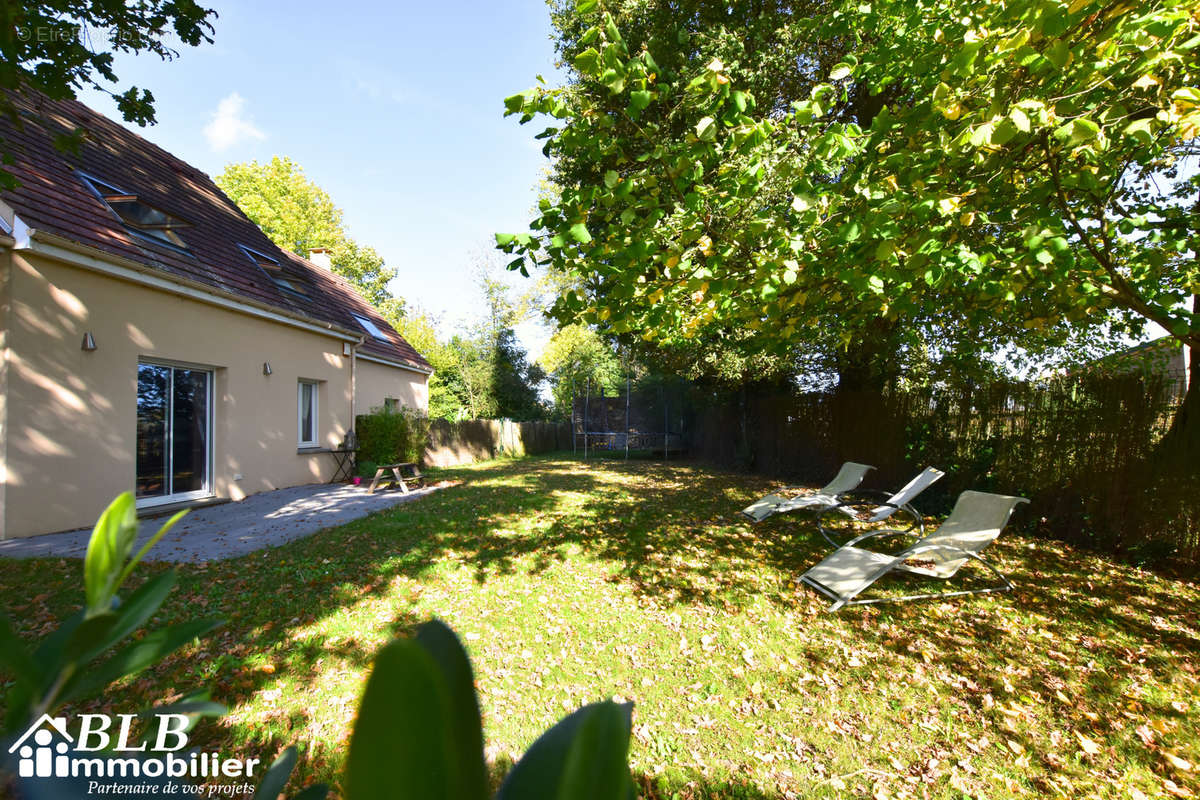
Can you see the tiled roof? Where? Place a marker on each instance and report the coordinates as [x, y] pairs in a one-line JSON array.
[[53, 198]]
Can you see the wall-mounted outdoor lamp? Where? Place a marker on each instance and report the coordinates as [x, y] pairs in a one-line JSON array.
[[267, 368], [89, 343]]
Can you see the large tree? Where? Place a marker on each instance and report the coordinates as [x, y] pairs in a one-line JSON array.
[[576, 357], [53, 48], [965, 175], [299, 215], [419, 328], [481, 372]]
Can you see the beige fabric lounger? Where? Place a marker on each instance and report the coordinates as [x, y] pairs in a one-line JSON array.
[[975, 522], [848, 477], [900, 501]]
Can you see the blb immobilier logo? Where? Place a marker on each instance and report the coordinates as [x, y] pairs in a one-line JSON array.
[[106, 752]]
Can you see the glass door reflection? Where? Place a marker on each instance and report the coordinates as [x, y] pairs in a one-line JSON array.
[[174, 422]]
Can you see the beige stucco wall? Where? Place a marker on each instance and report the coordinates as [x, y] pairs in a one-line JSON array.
[[71, 415], [5, 271], [375, 382]]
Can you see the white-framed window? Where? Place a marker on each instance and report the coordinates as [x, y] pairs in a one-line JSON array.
[[174, 432], [306, 412]]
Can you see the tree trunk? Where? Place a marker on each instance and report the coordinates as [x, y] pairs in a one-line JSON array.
[[865, 427], [1179, 450]]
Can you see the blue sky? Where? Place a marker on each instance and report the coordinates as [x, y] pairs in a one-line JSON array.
[[395, 109]]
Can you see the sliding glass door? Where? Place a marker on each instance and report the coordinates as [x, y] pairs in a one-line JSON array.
[[174, 427]]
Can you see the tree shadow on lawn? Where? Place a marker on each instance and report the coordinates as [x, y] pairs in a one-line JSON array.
[[671, 532], [685, 785], [1080, 637]]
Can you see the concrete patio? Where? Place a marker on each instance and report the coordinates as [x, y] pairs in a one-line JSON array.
[[267, 519]]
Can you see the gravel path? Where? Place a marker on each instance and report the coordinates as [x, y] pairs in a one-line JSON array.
[[267, 519]]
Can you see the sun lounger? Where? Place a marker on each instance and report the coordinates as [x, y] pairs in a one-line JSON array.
[[899, 501], [975, 522], [848, 477]]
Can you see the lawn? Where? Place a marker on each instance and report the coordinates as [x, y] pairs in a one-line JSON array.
[[572, 581]]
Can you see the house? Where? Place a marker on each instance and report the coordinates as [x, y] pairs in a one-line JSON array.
[[1166, 357], [155, 340]]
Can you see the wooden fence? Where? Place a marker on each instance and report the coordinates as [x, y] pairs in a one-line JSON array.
[[453, 443], [1080, 448]]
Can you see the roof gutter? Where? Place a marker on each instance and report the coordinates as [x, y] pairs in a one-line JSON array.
[[390, 363], [78, 255]]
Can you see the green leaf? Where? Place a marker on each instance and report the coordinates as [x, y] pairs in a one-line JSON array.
[[614, 80], [1004, 132], [514, 103], [47, 657], [876, 284], [706, 129], [111, 542], [611, 178], [982, 135], [402, 737], [137, 656], [153, 540], [1188, 96], [133, 612], [587, 62], [89, 638], [739, 101], [579, 233], [276, 777], [463, 720], [884, 250], [1020, 119], [1140, 131], [194, 706], [1059, 53], [505, 239], [583, 757], [639, 99], [1077, 131], [840, 71], [597, 765], [586, 6], [15, 657], [611, 30]]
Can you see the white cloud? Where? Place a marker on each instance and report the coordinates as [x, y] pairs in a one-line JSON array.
[[228, 126]]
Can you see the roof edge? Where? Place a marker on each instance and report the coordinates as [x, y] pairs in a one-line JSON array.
[[392, 363], [71, 252]]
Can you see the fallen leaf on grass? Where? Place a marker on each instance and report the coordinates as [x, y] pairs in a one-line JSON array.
[[1145, 734], [1178, 763], [1086, 744], [1176, 789]]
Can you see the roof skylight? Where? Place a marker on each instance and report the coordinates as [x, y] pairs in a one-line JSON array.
[[274, 271], [371, 328], [138, 215]]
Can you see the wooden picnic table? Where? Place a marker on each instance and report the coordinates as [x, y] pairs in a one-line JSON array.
[[397, 471]]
